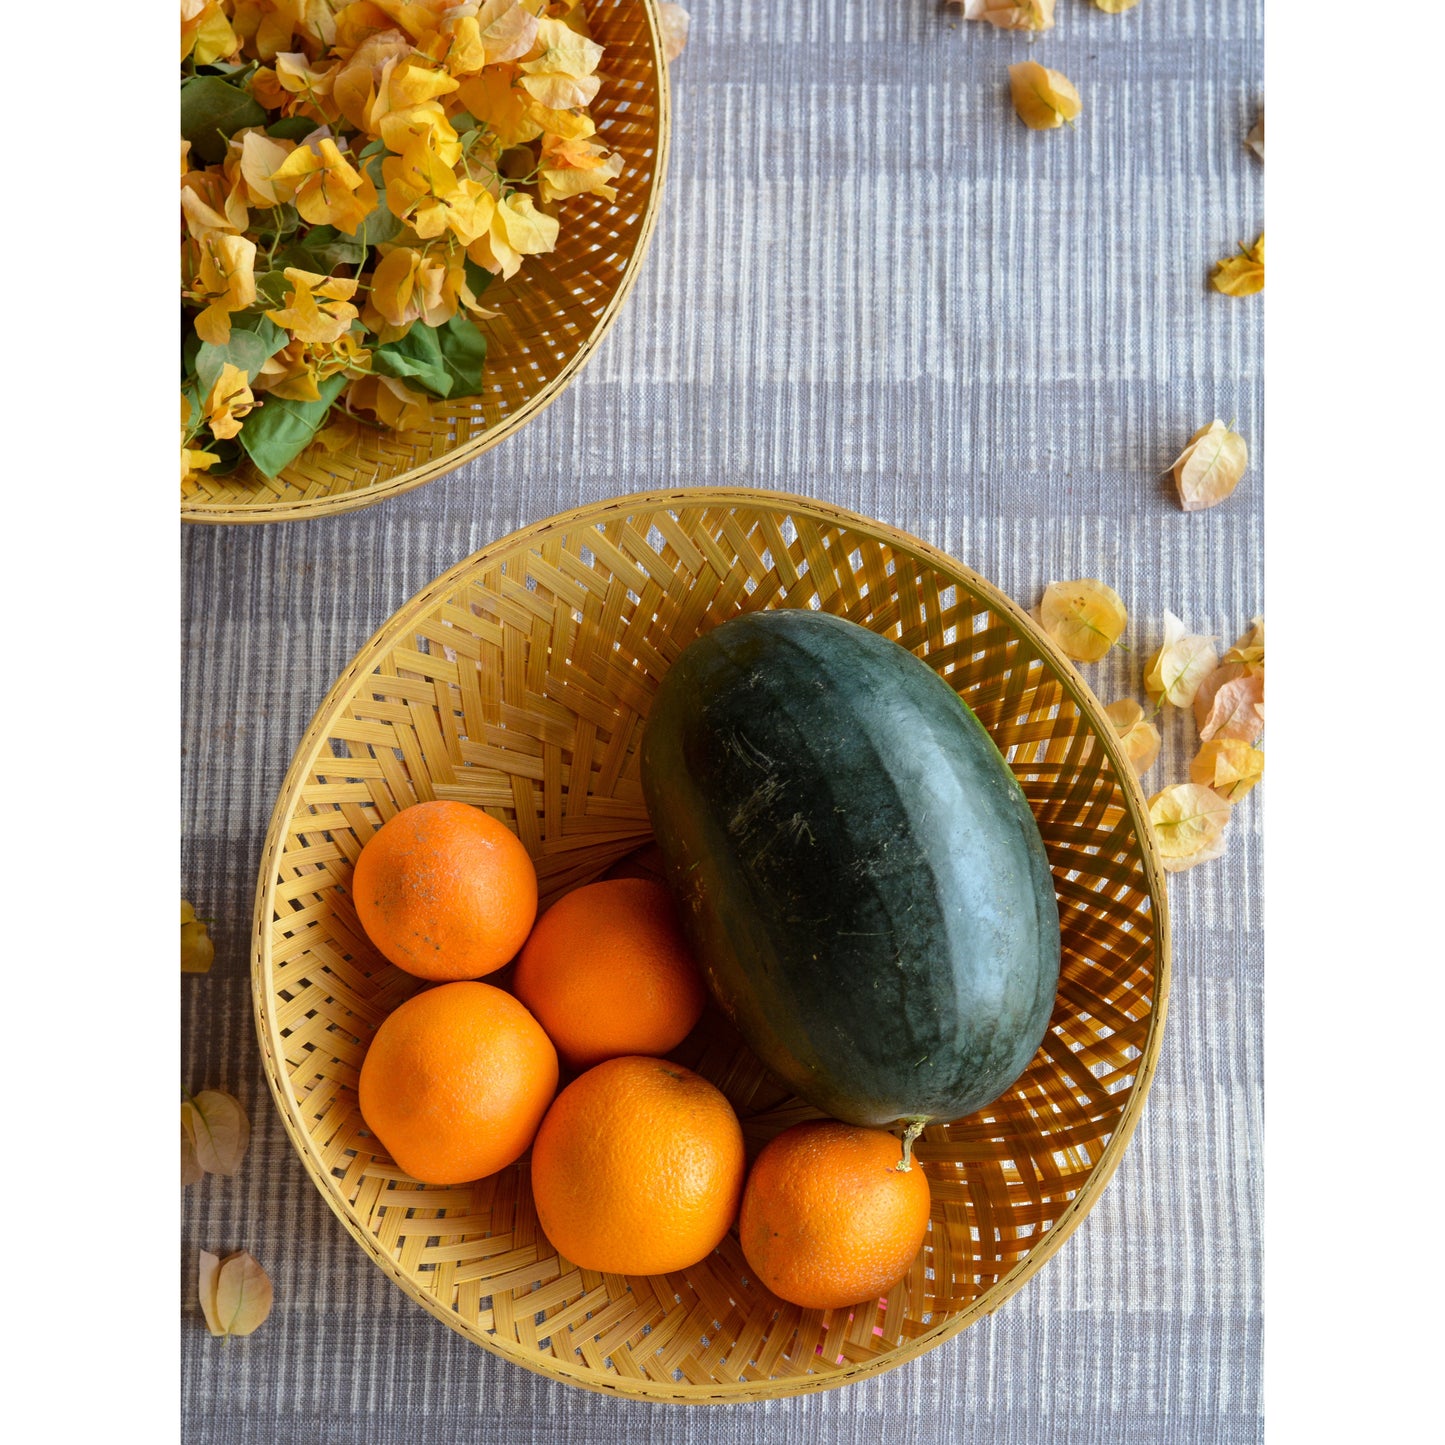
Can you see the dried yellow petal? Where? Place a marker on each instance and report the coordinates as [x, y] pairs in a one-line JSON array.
[[1248, 651], [1209, 468], [1115, 7], [1044, 99], [197, 950], [1011, 14], [1139, 736], [220, 1129], [1189, 822], [1181, 664], [1255, 139], [235, 1293], [674, 22], [1086, 617], [191, 1169], [1228, 765], [1241, 275], [1236, 710]]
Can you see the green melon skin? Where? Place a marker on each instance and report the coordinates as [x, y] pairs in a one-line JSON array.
[[856, 867]]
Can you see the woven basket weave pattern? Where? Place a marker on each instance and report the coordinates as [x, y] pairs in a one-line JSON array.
[[520, 683], [552, 314]]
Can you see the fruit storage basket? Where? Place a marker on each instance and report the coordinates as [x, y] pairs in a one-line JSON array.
[[553, 314], [519, 681]]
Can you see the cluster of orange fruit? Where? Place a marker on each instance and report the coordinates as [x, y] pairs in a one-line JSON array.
[[638, 1165]]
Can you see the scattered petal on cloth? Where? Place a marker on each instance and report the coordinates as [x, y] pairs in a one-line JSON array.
[[1140, 737], [1236, 710], [1044, 99], [1209, 468], [1255, 139], [1011, 14], [235, 1293], [1241, 275], [1085, 617], [1228, 765], [219, 1130], [675, 22], [1174, 672], [1189, 823]]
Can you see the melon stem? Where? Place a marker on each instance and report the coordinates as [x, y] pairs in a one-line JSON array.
[[914, 1129]]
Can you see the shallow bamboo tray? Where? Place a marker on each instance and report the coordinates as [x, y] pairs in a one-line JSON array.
[[553, 314], [519, 682]]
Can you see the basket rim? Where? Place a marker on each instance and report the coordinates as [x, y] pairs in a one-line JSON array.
[[303, 509], [1066, 674]]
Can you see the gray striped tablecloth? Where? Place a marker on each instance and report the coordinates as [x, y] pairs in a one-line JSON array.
[[869, 284]]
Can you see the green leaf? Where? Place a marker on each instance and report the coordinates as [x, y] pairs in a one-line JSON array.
[[278, 431], [279, 220], [371, 148], [380, 225], [190, 347], [292, 127], [230, 453], [324, 248], [212, 110], [464, 353], [254, 339], [272, 286], [416, 357]]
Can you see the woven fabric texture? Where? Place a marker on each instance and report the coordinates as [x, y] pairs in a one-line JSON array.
[[869, 284]]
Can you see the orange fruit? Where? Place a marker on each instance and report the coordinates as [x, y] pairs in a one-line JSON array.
[[445, 891], [638, 1167], [607, 972], [456, 1081], [828, 1219]]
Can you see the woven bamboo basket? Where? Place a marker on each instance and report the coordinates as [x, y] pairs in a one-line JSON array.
[[519, 682], [553, 314]]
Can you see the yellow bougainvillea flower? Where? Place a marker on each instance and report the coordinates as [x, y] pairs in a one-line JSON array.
[[354, 87], [294, 372], [508, 108], [1241, 275], [228, 401], [185, 158], [1228, 765], [407, 86], [499, 30], [392, 402], [1011, 14], [326, 188], [407, 286], [311, 319], [226, 281], [307, 91], [252, 157], [210, 201], [418, 18], [427, 122], [572, 167], [518, 229], [1044, 99], [206, 33], [193, 460], [270, 25], [418, 183], [562, 75]]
